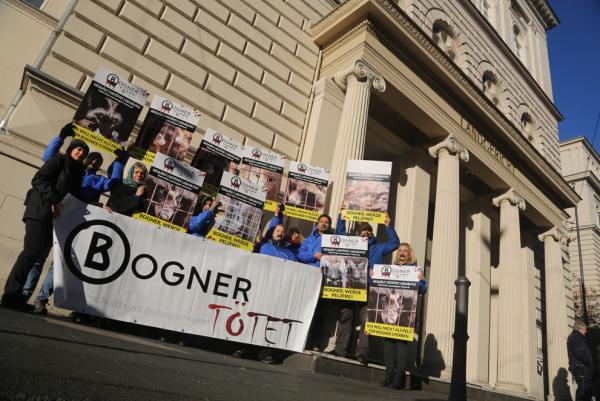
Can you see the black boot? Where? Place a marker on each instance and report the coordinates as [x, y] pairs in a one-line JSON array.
[[389, 377], [399, 381]]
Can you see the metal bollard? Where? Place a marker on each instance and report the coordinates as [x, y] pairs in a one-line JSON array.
[[458, 384]]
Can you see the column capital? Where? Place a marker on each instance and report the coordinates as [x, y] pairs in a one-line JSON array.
[[453, 146], [511, 196], [554, 233], [362, 73]]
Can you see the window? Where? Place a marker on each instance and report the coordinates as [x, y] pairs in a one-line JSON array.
[[444, 37], [35, 3]]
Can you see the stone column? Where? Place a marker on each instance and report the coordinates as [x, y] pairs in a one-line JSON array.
[[512, 299], [439, 320], [357, 81], [478, 271], [412, 203], [557, 325]]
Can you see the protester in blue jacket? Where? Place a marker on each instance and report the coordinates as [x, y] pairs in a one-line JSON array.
[[310, 250], [377, 251], [278, 245], [201, 223]]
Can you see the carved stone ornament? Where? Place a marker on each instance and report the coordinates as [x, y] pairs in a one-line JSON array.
[[453, 146], [363, 73], [511, 196], [555, 234]]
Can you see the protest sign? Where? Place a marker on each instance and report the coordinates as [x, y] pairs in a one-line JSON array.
[[108, 111], [167, 129], [109, 265], [344, 263], [392, 305], [264, 168], [172, 190], [217, 153], [367, 190], [238, 222], [306, 191]]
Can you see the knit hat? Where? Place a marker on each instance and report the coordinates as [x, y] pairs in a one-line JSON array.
[[78, 143]]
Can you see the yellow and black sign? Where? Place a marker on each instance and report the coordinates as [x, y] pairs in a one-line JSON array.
[[363, 216], [389, 331], [228, 239], [346, 294], [303, 214], [96, 140], [156, 221]]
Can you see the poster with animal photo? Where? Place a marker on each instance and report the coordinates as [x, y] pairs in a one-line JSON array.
[[171, 193], [167, 129], [306, 191], [217, 154], [238, 221], [108, 111], [392, 305], [263, 168], [367, 190], [345, 266]]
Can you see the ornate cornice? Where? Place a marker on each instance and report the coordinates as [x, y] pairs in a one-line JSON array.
[[362, 73], [453, 146], [511, 196], [547, 13]]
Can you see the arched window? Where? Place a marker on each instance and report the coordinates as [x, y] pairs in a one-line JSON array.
[[445, 38]]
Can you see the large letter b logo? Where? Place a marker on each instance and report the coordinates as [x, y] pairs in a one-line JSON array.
[[99, 249]]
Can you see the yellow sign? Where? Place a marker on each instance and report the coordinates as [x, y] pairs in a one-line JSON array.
[[228, 239], [389, 331], [159, 222], [270, 205], [303, 214], [95, 140], [363, 216], [143, 155], [347, 294]]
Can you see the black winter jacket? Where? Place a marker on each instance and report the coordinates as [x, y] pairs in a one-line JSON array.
[[123, 199], [580, 356], [53, 181]]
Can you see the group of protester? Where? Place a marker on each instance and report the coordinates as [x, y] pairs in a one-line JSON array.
[[76, 172]]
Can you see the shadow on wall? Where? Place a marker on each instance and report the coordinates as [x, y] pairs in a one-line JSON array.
[[433, 361], [560, 385]]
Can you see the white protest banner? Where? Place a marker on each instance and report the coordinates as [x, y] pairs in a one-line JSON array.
[[217, 153], [392, 305], [113, 266], [167, 129], [367, 190], [345, 263], [306, 191], [108, 111], [241, 211], [264, 168], [172, 189]]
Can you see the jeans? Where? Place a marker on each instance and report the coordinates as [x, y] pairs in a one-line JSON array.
[[34, 274], [47, 287]]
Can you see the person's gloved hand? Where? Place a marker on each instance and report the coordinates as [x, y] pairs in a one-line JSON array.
[[67, 130], [214, 208], [122, 155]]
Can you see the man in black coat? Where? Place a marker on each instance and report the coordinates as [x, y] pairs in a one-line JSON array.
[[581, 364]]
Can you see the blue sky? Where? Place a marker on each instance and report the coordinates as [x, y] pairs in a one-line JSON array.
[[574, 50]]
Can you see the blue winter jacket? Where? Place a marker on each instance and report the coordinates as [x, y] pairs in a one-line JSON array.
[[422, 283], [93, 184], [285, 251], [274, 222], [201, 224], [312, 244]]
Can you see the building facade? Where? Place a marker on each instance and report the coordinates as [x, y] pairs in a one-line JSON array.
[[456, 94], [581, 169]]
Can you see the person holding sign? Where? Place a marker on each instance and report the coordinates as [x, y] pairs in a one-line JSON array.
[[201, 223], [377, 251], [60, 175], [310, 250], [395, 352], [126, 196]]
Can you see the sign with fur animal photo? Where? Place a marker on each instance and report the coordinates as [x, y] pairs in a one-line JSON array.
[[264, 168], [392, 305], [172, 190], [344, 264], [167, 129], [306, 191], [109, 111], [367, 190]]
